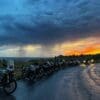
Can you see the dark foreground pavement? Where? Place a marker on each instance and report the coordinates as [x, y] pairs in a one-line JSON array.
[[63, 85]]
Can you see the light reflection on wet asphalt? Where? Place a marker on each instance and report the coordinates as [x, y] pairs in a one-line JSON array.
[[63, 85]]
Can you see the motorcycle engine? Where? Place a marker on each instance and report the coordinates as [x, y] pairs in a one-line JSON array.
[[2, 73]]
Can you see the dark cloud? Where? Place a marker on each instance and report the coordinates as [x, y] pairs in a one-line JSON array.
[[49, 22]]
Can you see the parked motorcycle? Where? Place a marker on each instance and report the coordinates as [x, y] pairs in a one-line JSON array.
[[36, 72], [7, 81], [29, 73]]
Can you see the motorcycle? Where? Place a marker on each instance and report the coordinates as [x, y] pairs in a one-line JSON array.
[[7, 81], [29, 73]]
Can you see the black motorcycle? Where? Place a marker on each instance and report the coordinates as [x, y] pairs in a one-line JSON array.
[[7, 81], [28, 73], [33, 73]]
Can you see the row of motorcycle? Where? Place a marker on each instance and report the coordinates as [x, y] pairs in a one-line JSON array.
[[32, 73], [36, 72]]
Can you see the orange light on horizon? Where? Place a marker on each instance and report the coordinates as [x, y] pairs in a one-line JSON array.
[[85, 51], [84, 48]]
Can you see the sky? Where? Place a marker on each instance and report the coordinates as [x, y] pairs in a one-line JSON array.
[[44, 28]]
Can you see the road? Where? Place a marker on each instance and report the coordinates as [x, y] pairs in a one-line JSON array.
[[63, 85]]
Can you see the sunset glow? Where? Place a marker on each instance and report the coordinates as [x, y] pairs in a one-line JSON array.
[[48, 28], [84, 47]]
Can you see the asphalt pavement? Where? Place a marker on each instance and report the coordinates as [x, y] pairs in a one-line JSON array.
[[66, 84]]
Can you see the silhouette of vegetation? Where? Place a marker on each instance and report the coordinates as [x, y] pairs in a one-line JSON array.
[[95, 57]]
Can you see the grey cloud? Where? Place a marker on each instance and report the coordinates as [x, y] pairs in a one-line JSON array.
[[50, 22]]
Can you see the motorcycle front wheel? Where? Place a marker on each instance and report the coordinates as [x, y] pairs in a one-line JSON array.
[[10, 87]]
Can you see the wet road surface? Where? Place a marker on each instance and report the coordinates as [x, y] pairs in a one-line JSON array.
[[63, 85]]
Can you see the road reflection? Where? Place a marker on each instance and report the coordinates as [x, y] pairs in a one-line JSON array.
[[3, 96], [83, 65]]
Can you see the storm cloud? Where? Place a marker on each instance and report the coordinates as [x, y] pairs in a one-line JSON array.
[[47, 22]]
